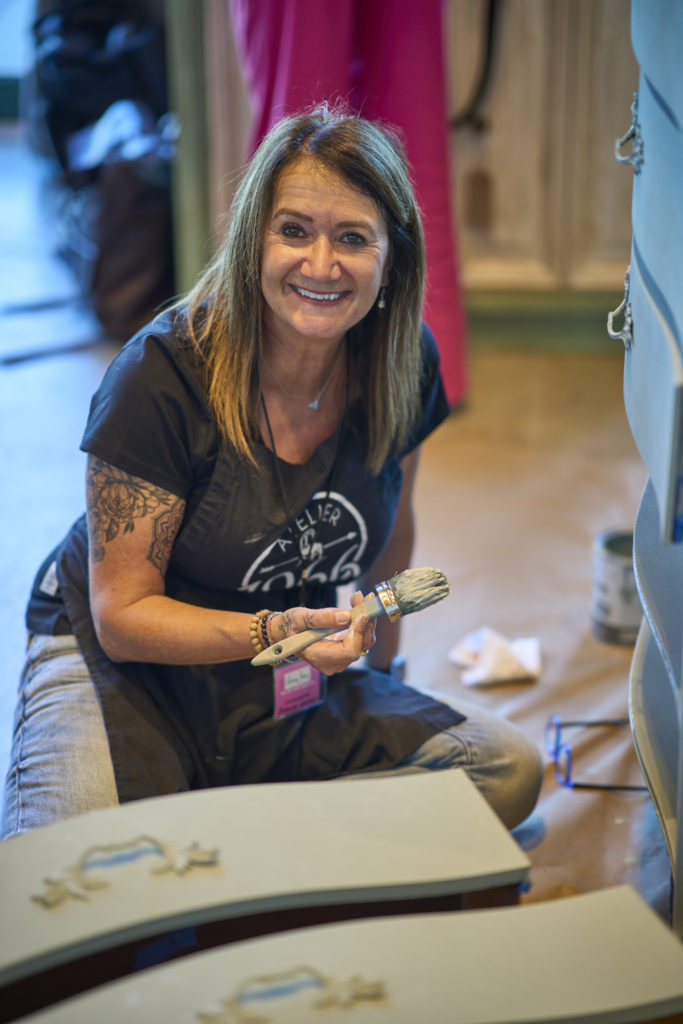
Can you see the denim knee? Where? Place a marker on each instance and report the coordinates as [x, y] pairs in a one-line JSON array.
[[60, 763], [504, 765]]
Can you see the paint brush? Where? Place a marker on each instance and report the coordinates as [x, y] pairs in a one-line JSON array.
[[407, 592]]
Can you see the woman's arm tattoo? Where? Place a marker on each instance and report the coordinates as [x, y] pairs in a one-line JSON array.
[[165, 527], [116, 499]]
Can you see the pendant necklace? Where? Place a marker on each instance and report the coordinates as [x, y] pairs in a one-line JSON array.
[[316, 401], [327, 486]]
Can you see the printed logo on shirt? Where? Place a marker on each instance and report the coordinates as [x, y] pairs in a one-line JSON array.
[[334, 559]]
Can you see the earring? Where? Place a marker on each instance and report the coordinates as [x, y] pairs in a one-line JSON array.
[[381, 301]]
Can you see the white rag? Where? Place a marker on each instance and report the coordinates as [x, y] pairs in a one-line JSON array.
[[489, 657]]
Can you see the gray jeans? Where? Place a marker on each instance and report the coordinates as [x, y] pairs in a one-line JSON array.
[[60, 763]]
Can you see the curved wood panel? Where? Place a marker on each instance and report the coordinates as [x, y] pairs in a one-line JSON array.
[[656, 698]]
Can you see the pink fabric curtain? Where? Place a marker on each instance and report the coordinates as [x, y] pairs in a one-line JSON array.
[[386, 59]]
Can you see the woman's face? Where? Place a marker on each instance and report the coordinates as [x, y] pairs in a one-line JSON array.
[[325, 255]]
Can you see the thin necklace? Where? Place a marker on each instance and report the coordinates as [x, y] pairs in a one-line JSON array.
[[316, 401], [303, 586]]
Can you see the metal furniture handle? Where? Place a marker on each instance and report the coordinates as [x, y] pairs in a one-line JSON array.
[[626, 333], [634, 136]]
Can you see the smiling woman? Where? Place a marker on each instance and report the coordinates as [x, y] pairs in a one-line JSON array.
[[353, 175], [325, 259], [249, 451]]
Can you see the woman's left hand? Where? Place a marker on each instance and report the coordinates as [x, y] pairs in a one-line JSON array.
[[333, 653]]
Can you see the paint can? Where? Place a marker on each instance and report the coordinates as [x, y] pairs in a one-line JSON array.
[[616, 611]]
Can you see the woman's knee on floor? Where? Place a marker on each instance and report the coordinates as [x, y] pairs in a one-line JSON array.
[[507, 767], [502, 762]]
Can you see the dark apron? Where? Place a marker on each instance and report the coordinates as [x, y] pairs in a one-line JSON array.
[[173, 728]]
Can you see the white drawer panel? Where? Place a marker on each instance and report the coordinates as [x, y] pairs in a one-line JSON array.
[[337, 843], [658, 204], [600, 956], [653, 396], [657, 33]]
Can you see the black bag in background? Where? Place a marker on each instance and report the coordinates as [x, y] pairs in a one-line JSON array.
[[100, 95], [115, 228], [88, 55]]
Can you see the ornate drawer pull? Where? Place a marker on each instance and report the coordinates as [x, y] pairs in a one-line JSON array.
[[633, 135], [626, 332], [76, 881], [342, 994]]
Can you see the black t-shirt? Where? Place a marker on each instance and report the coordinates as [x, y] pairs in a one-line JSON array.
[[150, 418]]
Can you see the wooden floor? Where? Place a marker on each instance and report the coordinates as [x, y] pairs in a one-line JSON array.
[[512, 491]]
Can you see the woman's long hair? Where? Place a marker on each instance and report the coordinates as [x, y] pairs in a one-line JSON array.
[[224, 311]]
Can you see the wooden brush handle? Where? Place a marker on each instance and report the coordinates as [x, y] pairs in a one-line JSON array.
[[371, 606]]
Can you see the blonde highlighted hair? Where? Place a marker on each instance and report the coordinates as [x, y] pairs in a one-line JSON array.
[[223, 313]]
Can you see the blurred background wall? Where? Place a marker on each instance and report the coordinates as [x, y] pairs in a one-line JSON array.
[[540, 206], [540, 201]]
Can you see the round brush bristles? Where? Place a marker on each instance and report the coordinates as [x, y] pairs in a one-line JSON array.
[[418, 588]]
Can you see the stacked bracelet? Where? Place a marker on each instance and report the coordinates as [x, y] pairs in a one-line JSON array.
[[265, 623], [265, 640], [256, 630]]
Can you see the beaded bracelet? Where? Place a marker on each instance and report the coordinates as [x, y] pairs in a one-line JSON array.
[[265, 622], [265, 640], [255, 627]]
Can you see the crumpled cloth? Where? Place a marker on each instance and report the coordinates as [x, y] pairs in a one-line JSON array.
[[487, 656]]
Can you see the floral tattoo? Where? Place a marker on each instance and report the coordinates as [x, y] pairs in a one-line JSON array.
[[116, 499]]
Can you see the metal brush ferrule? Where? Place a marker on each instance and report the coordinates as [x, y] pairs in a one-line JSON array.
[[388, 599]]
